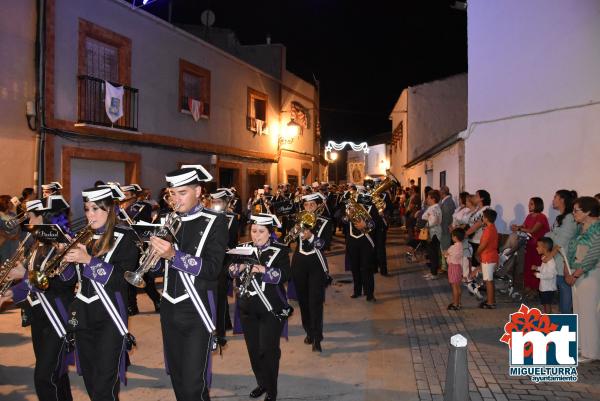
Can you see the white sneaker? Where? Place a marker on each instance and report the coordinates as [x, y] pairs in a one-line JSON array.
[[431, 277], [427, 275]]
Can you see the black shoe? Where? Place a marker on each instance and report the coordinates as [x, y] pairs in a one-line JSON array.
[[308, 340], [371, 299], [257, 392], [485, 305], [132, 310], [270, 398], [355, 295], [316, 347], [221, 341]]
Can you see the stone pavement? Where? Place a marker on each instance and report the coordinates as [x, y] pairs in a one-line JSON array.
[[396, 349]]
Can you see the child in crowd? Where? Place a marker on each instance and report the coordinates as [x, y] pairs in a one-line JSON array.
[[546, 273], [454, 258], [487, 253]]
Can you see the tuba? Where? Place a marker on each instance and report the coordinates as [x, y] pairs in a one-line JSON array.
[[357, 212], [56, 265], [9, 264], [390, 181], [304, 220], [151, 257]]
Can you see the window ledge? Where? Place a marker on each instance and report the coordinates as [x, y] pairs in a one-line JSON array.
[[104, 127], [184, 111]]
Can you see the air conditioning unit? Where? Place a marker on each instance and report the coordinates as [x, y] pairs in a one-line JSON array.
[[428, 166]]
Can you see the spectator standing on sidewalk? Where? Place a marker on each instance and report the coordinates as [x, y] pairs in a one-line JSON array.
[[487, 253], [546, 272], [535, 224], [433, 217], [584, 275], [482, 201], [448, 207], [454, 258], [562, 232]]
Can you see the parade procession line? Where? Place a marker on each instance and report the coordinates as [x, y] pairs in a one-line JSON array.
[[395, 349]]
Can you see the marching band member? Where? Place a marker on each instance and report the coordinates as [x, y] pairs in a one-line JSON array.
[[221, 200], [360, 248], [98, 316], [137, 211], [192, 269], [310, 272], [263, 313], [53, 188], [47, 313]]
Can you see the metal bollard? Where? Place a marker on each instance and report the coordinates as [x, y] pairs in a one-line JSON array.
[[457, 373]]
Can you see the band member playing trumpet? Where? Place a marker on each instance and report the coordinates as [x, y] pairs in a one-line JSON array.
[[137, 211], [46, 310], [192, 268], [264, 310], [98, 315], [310, 271], [221, 201]]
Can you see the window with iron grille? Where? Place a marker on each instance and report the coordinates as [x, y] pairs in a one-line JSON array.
[[102, 60], [194, 85], [256, 118]]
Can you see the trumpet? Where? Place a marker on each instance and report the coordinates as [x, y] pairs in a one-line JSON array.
[[56, 265], [16, 221], [151, 257], [9, 264]]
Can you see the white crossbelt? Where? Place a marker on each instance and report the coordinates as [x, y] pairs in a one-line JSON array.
[[261, 295], [110, 308], [52, 316], [195, 298]]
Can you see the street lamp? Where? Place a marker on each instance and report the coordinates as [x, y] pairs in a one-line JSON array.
[[333, 156]]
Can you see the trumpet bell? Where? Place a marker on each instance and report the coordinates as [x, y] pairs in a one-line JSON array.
[[135, 279]]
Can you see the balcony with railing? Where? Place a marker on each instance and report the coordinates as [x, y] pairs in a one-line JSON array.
[[91, 108]]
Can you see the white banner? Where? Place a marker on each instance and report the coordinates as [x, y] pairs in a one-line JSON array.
[[113, 101]]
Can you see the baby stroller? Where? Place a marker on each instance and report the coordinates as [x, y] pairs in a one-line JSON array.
[[418, 246], [506, 269]]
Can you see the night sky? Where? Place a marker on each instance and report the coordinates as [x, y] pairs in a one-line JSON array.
[[363, 53]]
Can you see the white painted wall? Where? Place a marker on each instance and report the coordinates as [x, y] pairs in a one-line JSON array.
[[377, 160], [538, 56], [447, 160], [436, 111]]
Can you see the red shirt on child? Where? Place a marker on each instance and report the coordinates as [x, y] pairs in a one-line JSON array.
[[489, 239]]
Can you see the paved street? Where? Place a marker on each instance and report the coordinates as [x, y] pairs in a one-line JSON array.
[[396, 349]]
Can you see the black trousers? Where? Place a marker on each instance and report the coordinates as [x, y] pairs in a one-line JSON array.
[[48, 349], [380, 240], [433, 254], [310, 280], [223, 318], [187, 346], [99, 347], [262, 332], [361, 255], [474, 260]]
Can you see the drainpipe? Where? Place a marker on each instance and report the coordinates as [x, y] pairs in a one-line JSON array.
[[40, 107]]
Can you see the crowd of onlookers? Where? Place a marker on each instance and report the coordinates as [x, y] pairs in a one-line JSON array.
[[561, 262]]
